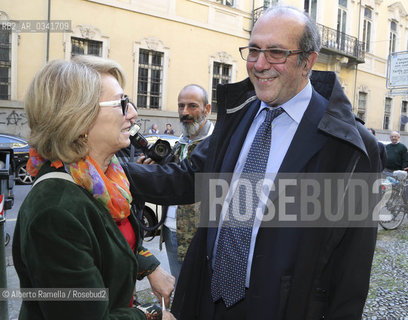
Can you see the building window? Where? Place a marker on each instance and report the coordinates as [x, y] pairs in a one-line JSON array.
[[404, 106], [221, 74], [393, 36], [311, 8], [151, 68], [230, 3], [367, 28], [86, 46], [362, 105], [270, 3], [387, 113], [87, 40], [150, 78], [222, 69], [343, 3], [5, 65], [341, 24], [404, 115]]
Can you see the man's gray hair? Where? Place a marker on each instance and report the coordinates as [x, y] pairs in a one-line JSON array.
[[205, 95], [310, 40], [395, 132]]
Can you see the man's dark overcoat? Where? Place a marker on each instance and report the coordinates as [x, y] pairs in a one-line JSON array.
[[297, 273]]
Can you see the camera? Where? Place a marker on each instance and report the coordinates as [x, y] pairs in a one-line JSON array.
[[157, 151]]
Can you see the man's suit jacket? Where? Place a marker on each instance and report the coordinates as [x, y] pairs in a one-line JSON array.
[[297, 273]]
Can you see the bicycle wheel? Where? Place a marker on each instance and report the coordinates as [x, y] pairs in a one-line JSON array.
[[392, 214], [7, 239]]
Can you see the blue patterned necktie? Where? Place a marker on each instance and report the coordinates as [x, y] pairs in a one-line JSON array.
[[231, 258]]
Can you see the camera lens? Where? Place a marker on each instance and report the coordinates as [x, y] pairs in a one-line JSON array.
[[162, 148]]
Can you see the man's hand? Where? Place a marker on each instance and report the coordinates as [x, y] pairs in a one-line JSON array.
[[162, 284], [144, 160]]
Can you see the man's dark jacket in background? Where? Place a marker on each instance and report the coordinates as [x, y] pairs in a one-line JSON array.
[[397, 156]]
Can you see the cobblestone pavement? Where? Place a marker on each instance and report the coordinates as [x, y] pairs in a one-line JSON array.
[[388, 295]]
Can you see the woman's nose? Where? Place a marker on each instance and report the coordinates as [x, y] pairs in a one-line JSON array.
[[132, 112]]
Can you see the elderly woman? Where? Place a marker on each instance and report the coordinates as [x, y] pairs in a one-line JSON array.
[[75, 228]]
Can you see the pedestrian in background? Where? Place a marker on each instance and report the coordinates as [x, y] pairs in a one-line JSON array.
[[169, 129], [277, 121], [154, 129], [397, 157], [75, 228]]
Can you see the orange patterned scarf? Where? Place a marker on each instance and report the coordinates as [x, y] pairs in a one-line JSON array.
[[111, 188]]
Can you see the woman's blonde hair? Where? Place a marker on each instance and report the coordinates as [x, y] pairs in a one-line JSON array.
[[62, 104]]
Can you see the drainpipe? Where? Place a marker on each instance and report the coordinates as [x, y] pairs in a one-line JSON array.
[[48, 32], [253, 14], [356, 67]]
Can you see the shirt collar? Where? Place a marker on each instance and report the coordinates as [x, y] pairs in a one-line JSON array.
[[296, 106]]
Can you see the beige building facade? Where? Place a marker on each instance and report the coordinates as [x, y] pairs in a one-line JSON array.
[[165, 44]]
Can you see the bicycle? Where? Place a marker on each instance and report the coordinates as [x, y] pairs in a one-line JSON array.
[[392, 214]]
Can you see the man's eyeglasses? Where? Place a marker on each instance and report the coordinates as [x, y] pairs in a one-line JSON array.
[[123, 102], [273, 55]]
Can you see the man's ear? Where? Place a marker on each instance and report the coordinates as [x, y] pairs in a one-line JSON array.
[[207, 109], [310, 62]]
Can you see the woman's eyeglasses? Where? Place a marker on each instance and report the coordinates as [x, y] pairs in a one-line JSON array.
[[123, 102]]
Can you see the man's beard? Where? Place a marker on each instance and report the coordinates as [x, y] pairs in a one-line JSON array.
[[191, 129]]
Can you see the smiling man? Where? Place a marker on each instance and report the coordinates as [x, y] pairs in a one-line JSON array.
[[277, 121], [278, 74]]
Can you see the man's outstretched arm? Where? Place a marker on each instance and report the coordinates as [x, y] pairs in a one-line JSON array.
[[167, 184]]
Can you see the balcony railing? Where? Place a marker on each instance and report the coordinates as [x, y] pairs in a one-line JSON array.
[[333, 41], [256, 14], [341, 43]]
